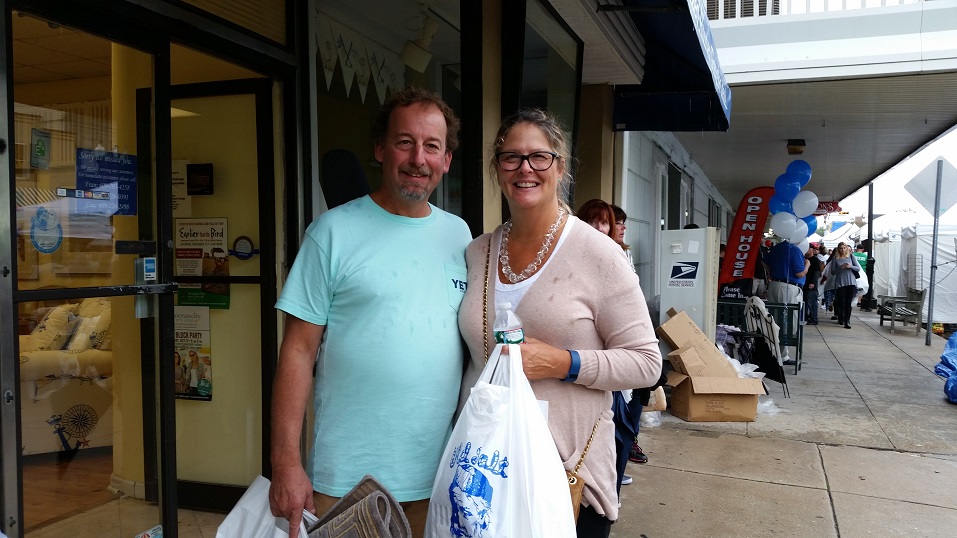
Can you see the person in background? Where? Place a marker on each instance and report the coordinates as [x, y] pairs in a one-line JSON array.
[[865, 260], [587, 328], [787, 268], [760, 284], [721, 250], [842, 267], [625, 405], [621, 220], [827, 284], [811, 284], [377, 282], [599, 215], [639, 397]]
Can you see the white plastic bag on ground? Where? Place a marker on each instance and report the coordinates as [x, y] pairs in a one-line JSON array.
[[252, 518], [500, 474], [651, 419], [766, 406]]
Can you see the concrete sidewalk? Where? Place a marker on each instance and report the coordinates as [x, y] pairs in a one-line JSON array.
[[865, 446]]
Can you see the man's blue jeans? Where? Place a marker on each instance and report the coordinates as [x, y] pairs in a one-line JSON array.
[[810, 305]]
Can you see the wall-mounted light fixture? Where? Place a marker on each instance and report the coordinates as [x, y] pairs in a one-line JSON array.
[[796, 146], [415, 54]]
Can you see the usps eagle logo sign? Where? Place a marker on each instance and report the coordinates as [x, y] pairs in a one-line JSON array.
[[683, 275]]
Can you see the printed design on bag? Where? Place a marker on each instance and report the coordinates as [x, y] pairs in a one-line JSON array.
[[470, 491]]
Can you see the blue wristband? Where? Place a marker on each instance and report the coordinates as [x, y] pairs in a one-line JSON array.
[[575, 366]]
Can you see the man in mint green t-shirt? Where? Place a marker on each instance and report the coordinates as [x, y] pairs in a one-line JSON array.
[[378, 282]]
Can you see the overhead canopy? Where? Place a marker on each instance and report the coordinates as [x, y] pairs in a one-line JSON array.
[[683, 88], [845, 234]]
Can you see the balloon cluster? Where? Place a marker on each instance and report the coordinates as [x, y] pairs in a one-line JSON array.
[[792, 209]]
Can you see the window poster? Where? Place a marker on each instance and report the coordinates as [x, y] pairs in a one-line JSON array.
[[201, 250], [182, 203], [192, 358], [105, 182]]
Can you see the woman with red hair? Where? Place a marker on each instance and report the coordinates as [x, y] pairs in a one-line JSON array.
[[600, 215]]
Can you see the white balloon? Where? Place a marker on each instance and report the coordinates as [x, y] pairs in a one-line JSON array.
[[804, 245], [799, 233], [804, 204], [783, 224]]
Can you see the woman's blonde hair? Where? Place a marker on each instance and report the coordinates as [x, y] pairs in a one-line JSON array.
[[551, 127]]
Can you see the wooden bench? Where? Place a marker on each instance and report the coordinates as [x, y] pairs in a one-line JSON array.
[[786, 315], [904, 309]]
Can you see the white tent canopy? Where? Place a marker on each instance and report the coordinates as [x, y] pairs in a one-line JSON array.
[[916, 251], [845, 234]]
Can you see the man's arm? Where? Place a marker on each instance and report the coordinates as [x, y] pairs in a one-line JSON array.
[[807, 265], [291, 490], [799, 264]]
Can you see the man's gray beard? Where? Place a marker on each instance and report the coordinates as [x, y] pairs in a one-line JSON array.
[[414, 195]]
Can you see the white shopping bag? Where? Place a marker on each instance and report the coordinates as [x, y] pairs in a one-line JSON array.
[[500, 474], [251, 517]]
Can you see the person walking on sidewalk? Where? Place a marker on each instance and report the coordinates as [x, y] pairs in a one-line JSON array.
[[843, 268], [811, 285]]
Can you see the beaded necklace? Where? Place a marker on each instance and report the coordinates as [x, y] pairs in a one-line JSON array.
[[537, 262]]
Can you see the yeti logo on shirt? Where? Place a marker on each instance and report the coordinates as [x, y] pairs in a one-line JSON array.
[[456, 282]]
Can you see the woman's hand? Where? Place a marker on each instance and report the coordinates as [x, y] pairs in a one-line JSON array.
[[542, 361]]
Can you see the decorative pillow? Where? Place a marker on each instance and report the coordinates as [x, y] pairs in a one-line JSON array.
[[81, 335], [100, 335], [54, 330], [94, 325], [92, 307]]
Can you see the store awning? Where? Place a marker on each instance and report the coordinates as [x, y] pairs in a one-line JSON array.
[[683, 88]]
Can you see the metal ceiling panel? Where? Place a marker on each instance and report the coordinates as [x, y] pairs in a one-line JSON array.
[[854, 129]]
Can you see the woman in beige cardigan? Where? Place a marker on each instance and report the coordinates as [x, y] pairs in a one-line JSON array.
[[587, 329]]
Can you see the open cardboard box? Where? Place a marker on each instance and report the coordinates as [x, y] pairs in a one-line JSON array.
[[704, 385]]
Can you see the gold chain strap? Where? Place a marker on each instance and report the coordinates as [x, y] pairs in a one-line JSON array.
[[488, 255], [587, 445]]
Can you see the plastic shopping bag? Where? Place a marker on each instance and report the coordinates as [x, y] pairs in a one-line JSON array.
[[500, 474], [251, 517]]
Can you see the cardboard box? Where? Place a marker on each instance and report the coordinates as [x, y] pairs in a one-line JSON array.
[[687, 361], [714, 399], [680, 332], [704, 385]]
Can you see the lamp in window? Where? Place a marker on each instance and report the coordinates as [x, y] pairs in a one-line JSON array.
[[796, 146], [415, 54]]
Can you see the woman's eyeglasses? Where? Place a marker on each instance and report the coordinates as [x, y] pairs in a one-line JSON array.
[[538, 161]]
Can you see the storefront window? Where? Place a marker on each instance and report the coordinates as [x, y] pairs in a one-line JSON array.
[[552, 63], [364, 54]]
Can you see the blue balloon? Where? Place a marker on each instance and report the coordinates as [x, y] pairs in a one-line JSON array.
[[800, 170], [811, 222], [787, 187], [777, 204]]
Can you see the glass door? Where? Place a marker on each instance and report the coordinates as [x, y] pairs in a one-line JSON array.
[[79, 359], [224, 222]]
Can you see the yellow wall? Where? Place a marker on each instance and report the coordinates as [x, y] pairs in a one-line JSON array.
[[596, 146], [131, 70], [492, 107]]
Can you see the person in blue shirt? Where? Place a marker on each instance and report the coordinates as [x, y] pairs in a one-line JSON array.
[[377, 282], [786, 268]]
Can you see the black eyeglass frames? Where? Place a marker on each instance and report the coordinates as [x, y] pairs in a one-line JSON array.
[[538, 161]]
